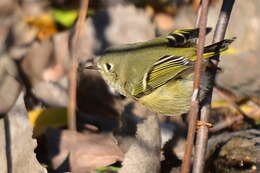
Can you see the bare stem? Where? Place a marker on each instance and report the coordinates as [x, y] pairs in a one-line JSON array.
[[229, 100], [74, 66], [202, 133], [223, 20], [196, 87], [226, 123], [234, 105]]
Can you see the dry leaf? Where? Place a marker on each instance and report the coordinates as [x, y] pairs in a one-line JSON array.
[[43, 23], [41, 119], [88, 150], [249, 108]]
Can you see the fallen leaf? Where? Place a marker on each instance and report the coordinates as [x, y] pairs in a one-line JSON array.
[[87, 150], [41, 119], [43, 23], [109, 168], [65, 17], [249, 108]]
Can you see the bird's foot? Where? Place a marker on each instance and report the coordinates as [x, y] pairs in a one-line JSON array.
[[203, 123]]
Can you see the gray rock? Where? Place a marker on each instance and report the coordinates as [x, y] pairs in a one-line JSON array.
[[143, 155], [120, 24], [10, 87], [236, 152]]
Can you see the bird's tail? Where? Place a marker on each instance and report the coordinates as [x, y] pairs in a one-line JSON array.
[[217, 48]]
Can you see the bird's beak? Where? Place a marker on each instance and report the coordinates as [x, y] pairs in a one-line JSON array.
[[91, 67]]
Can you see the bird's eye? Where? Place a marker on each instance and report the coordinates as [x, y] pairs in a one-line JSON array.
[[108, 66]]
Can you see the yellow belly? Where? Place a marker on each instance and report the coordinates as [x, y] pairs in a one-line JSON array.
[[173, 98]]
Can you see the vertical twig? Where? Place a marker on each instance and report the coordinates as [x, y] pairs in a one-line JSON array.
[[201, 141], [8, 144], [198, 17], [74, 66], [202, 133], [196, 85], [223, 20]]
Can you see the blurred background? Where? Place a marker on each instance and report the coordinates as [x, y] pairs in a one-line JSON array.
[[35, 58]]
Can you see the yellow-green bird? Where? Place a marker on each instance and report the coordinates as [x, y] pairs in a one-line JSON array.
[[158, 73]]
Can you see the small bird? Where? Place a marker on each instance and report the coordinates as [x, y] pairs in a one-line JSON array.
[[158, 73]]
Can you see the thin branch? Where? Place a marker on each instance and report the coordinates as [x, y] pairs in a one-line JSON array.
[[223, 20], [226, 123], [202, 133], [230, 101], [198, 17], [196, 87], [234, 105], [230, 121], [201, 141], [74, 66]]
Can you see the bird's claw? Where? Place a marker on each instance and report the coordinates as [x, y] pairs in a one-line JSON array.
[[203, 123]]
